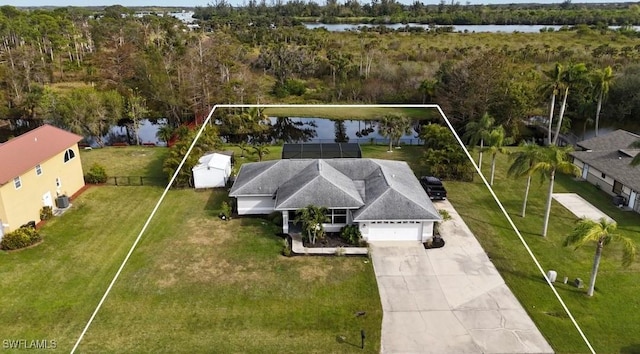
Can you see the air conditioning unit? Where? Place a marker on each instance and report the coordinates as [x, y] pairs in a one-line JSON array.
[[619, 200], [62, 202]]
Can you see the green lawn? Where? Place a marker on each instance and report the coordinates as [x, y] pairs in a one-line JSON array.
[[194, 284], [127, 160]]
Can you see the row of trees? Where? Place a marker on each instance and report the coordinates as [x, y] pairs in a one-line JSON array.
[[445, 13]]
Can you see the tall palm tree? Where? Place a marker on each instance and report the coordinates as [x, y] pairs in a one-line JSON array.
[[393, 127], [553, 87], [636, 159], [523, 162], [601, 232], [478, 132], [573, 76], [553, 159], [312, 218], [602, 80], [496, 140]]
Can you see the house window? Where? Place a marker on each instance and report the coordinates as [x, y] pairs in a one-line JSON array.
[[38, 170], [69, 155], [58, 182], [603, 175], [337, 216], [17, 182]]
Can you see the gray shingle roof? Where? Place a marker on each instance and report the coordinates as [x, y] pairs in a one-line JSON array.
[[613, 164], [320, 184], [610, 153], [391, 190], [616, 140]]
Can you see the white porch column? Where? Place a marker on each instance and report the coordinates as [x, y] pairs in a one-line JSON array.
[[285, 221]]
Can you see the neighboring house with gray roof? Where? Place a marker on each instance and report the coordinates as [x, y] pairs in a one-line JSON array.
[[604, 162], [382, 197]]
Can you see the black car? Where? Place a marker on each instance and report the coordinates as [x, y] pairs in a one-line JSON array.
[[434, 188]]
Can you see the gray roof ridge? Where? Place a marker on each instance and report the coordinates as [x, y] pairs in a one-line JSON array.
[[410, 197], [368, 205], [258, 175], [278, 202], [357, 195]]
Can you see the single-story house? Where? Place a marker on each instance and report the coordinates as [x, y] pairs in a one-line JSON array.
[[35, 168], [604, 162], [213, 170], [383, 197]]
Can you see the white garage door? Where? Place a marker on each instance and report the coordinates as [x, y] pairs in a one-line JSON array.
[[395, 232]]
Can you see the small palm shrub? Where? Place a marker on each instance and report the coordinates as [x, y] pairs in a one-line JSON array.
[[96, 174], [20, 238]]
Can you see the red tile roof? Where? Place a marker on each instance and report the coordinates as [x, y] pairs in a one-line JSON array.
[[23, 153]]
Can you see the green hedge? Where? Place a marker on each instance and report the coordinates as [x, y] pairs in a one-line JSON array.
[[97, 174], [20, 238]]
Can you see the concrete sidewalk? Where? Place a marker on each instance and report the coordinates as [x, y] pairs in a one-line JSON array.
[[449, 300], [579, 207]]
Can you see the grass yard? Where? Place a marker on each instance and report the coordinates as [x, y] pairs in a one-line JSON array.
[[194, 284], [127, 160]]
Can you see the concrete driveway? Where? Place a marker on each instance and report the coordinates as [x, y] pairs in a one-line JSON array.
[[579, 207], [449, 300]]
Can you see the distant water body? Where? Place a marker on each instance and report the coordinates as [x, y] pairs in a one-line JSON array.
[[342, 27]]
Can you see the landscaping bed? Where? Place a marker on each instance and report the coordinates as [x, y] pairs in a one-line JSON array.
[[330, 240]]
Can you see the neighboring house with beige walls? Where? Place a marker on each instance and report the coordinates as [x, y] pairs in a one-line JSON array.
[[36, 168]]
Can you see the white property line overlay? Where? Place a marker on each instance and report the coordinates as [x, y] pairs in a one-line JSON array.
[[206, 122]]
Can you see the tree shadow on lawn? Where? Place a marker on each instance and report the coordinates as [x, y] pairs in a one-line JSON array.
[[630, 349], [504, 227], [213, 207]]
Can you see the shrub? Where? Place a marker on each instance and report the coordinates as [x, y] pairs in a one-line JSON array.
[[226, 210], [276, 218], [46, 213], [97, 174], [351, 234], [286, 248], [20, 238]]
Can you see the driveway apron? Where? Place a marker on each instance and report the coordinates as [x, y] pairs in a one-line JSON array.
[[449, 300]]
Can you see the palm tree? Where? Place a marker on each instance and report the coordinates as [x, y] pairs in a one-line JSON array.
[[553, 87], [477, 132], [393, 127], [602, 80], [312, 218], [497, 141], [573, 76], [261, 150], [601, 232], [165, 133], [553, 159], [523, 162], [243, 148], [636, 159]]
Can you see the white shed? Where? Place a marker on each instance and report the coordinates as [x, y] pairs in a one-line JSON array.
[[212, 170]]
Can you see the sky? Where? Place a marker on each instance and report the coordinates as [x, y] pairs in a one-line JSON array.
[[193, 3]]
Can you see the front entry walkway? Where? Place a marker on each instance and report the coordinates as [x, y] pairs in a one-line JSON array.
[[579, 207], [450, 299]]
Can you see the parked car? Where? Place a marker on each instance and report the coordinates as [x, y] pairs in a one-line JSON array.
[[434, 188]]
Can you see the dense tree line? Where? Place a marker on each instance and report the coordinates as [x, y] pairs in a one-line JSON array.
[[86, 70]]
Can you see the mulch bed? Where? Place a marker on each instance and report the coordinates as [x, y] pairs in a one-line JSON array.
[[330, 240]]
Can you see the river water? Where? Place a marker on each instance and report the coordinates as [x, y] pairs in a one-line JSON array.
[[342, 27]]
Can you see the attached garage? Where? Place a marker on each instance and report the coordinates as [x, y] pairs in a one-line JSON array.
[[393, 230]]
